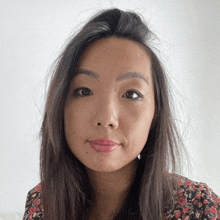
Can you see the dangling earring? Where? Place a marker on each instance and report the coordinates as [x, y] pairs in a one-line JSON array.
[[139, 156]]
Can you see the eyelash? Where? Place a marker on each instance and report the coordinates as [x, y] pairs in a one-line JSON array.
[[75, 93]]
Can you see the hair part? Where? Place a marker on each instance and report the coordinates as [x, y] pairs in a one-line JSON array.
[[66, 189]]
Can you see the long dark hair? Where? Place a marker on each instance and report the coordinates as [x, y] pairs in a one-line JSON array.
[[66, 190]]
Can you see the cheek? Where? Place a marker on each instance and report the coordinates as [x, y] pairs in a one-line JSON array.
[[72, 122], [68, 126], [137, 123], [75, 115], [140, 115], [76, 123]]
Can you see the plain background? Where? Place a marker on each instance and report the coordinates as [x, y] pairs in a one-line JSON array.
[[33, 34]]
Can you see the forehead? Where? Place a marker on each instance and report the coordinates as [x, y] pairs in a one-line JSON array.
[[111, 60], [115, 53]]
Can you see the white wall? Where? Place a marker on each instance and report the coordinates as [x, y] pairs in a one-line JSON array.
[[32, 34]]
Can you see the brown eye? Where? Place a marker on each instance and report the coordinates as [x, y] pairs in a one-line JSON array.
[[133, 94], [84, 91]]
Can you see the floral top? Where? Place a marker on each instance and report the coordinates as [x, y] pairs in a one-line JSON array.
[[194, 200]]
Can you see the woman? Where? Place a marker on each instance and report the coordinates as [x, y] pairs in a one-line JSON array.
[[108, 134]]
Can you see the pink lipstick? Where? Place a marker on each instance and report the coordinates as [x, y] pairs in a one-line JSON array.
[[103, 145]]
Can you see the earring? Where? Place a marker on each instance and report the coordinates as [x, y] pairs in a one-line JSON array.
[[139, 156]]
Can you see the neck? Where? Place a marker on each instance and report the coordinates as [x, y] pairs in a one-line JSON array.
[[111, 188]]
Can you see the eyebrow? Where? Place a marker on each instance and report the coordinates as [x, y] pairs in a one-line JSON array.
[[127, 75]]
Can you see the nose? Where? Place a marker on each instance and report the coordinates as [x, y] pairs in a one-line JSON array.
[[107, 115], [107, 123]]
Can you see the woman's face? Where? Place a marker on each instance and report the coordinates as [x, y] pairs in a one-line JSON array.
[[107, 108]]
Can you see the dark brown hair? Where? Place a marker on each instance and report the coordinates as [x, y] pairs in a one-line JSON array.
[[66, 189]]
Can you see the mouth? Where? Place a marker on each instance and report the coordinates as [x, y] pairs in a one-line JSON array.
[[103, 148], [106, 142]]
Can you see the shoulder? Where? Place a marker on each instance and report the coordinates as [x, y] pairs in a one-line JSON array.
[[194, 200], [33, 206]]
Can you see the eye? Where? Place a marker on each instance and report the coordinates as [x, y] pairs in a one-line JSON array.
[[130, 92], [81, 89], [85, 92]]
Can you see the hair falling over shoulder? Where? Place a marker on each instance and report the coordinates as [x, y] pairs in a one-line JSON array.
[[66, 190]]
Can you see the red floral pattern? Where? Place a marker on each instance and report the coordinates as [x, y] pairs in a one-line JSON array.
[[33, 206], [194, 201]]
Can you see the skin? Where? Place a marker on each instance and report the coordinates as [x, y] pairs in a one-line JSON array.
[[107, 112]]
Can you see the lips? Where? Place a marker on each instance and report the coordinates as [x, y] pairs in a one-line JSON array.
[[104, 142], [103, 145]]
